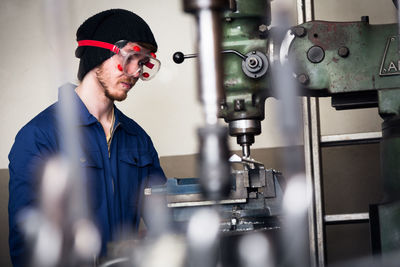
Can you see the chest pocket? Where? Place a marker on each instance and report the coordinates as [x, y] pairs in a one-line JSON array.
[[92, 166], [133, 171], [136, 159]]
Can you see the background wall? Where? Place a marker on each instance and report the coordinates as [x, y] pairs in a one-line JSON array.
[[35, 62], [38, 56]]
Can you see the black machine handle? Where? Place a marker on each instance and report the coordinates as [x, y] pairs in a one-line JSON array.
[[179, 57]]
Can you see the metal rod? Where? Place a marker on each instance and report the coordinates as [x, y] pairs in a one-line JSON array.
[[350, 139], [305, 12], [210, 65], [309, 180], [346, 218]]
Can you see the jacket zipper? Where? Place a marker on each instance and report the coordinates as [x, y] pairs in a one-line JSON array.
[[109, 153]]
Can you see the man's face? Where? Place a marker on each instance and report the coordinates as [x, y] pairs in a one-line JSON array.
[[115, 83]]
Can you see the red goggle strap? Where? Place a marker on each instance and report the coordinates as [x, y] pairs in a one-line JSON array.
[[111, 47]]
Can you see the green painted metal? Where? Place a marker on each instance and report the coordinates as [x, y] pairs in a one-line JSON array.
[[390, 157], [389, 227], [241, 32], [360, 70], [372, 64], [389, 102], [251, 9]]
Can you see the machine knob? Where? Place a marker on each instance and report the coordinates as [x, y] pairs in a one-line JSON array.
[[178, 57]]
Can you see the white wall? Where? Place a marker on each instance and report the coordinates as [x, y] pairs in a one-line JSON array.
[[30, 75], [166, 107]]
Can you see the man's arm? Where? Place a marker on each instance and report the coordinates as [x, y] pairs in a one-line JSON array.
[[26, 158]]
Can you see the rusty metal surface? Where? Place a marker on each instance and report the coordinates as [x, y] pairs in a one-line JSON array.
[[355, 54]]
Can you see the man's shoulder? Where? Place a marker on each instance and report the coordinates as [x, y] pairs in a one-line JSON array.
[[46, 118], [131, 126], [38, 132], [43, 122]]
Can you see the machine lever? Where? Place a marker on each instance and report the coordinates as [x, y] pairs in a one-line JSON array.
[[179, 57]]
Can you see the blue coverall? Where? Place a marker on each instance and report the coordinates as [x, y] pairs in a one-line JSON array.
[[116, 177]]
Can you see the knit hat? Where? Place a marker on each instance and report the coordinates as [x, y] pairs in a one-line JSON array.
[[109, 26]]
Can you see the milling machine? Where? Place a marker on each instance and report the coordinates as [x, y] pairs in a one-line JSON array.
[[354, 63]]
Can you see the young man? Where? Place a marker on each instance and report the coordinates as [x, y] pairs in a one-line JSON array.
[[116, 48]]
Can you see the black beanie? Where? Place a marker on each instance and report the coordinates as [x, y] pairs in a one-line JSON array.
[[109, 26]]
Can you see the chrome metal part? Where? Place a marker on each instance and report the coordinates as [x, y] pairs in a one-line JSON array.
[[245, 130], [346, 218], [285, 46], [193, 6], [240, 127], [350, 139], [205, 203], [305, 12], [211, 90], [255, 64], [313, 174], [213, 166], [213, 156]]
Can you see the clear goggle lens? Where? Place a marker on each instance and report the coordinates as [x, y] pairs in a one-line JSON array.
[[135, 61], [132, 60], [145, 65]]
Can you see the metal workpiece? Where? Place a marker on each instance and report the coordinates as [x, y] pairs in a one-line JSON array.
[[213, 165], [254, 199]]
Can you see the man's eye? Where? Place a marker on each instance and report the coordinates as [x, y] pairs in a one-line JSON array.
[[143, 61]]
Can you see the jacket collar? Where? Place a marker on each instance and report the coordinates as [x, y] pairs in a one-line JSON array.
[[84, 116]]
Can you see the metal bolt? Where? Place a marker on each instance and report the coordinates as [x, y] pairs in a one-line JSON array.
[[238, 104], [255, 100], [365, 19], [263, 28], [303, 78], [343, 51], [253, 62], [315, 54], [299, 31], [234, 221]]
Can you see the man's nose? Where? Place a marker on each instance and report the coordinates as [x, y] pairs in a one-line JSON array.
[[134, 70]]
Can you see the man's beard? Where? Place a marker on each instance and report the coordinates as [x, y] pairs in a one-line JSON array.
[[102, 77]]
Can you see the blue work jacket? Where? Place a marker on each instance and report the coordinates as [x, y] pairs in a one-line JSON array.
[[116, 176]]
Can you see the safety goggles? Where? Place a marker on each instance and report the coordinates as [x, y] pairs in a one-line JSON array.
[[129, 60]]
